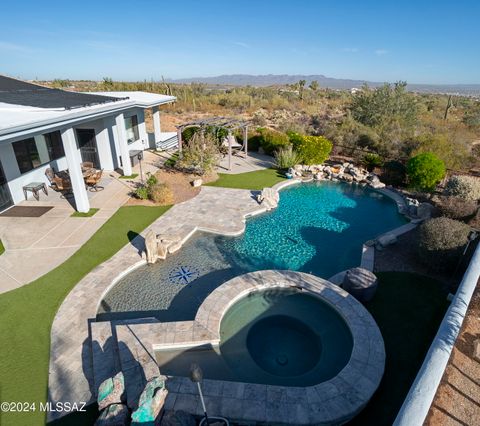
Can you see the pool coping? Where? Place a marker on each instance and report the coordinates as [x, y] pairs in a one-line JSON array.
[[70, 364], [333, 401]]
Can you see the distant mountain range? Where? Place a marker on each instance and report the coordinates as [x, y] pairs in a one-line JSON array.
[[329, 82]]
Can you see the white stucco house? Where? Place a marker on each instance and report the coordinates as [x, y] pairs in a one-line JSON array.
[[44, 128]]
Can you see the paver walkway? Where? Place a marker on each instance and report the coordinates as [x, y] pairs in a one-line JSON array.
[[219, 210]]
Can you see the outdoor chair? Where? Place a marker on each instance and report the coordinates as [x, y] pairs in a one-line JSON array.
[[92, 181], [50, 174], [62, 185], [86, 165]]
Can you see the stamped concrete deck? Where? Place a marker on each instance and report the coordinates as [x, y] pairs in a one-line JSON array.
[[218, 210]]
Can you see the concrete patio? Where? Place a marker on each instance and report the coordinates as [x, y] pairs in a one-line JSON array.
[[36, 245], [241, 164]]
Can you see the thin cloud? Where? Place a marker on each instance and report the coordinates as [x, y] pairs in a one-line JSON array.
[[350, 49], [12, 47], [242, 44], [381, 52]]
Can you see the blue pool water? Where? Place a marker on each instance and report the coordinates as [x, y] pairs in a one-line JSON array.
[[317, 228]]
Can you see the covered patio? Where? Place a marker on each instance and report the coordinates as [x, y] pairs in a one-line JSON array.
[[36, 245]]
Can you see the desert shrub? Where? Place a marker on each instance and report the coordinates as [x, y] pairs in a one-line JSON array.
[[425, 171], [141, 192], [200, 155], [466, 187], [441, 242], [371, 161], [394, 173], [271, 140], [161, 194], [313, 149], [456, 207], [287, 157]]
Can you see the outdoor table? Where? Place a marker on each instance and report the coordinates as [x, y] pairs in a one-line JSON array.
[[34, 187]]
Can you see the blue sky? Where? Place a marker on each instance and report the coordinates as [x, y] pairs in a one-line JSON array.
[[421, 41]]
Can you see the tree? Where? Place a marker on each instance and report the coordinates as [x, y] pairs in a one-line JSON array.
[[390, 110], [425, 171], [314, 85], [301, 87]]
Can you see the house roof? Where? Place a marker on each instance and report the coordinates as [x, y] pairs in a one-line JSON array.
[[27, 108], [19, 92]]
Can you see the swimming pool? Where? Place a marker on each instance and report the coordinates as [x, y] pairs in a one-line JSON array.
[[318, 228]]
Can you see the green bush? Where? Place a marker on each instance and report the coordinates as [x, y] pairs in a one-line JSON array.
[[441, 242], [142, 192], [371, 161], [286, 158], [161, 194], [466, 187], [313, 149], [272, 140], [425, 171], [456, 207]]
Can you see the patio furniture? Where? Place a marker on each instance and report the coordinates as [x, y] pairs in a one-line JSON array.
[[63, 185], [34, 187], [86, 165], [93, 180], [50, 174], [88, 172]]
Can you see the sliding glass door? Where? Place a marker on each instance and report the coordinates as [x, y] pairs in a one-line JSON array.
[[5, 196]]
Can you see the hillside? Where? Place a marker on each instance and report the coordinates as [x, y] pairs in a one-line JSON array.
[[326, 82]]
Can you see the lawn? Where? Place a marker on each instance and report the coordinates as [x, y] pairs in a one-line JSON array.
[[250, 180], [408, 308], [2, 248], [26, 314]]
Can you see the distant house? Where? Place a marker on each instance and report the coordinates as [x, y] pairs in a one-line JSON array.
[[354, 90], [44, 128]]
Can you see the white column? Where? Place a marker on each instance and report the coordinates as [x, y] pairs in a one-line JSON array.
[[75, 171], [123, 144], [142, 128], [41, 144], [156, 123]]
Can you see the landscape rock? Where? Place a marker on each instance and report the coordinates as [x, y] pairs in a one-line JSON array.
[[151, 246], [151, 402], [197, 182], [111, 391], [425, 211], [268, 198], [360, 283]]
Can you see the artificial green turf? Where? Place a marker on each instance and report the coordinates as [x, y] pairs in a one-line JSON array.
[[26, 314], [90, 213], [258, 179], [2, 248], [132, 176], [408, 309]]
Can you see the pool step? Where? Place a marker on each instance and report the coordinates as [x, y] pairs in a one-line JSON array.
[[136, 360], [106, 360]]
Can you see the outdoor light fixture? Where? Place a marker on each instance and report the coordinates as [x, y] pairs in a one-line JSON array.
[[196, 376], [140, 158]]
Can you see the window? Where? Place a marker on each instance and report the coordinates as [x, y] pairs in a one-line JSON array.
[[54, 145], [26, 153], [131, 125]]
